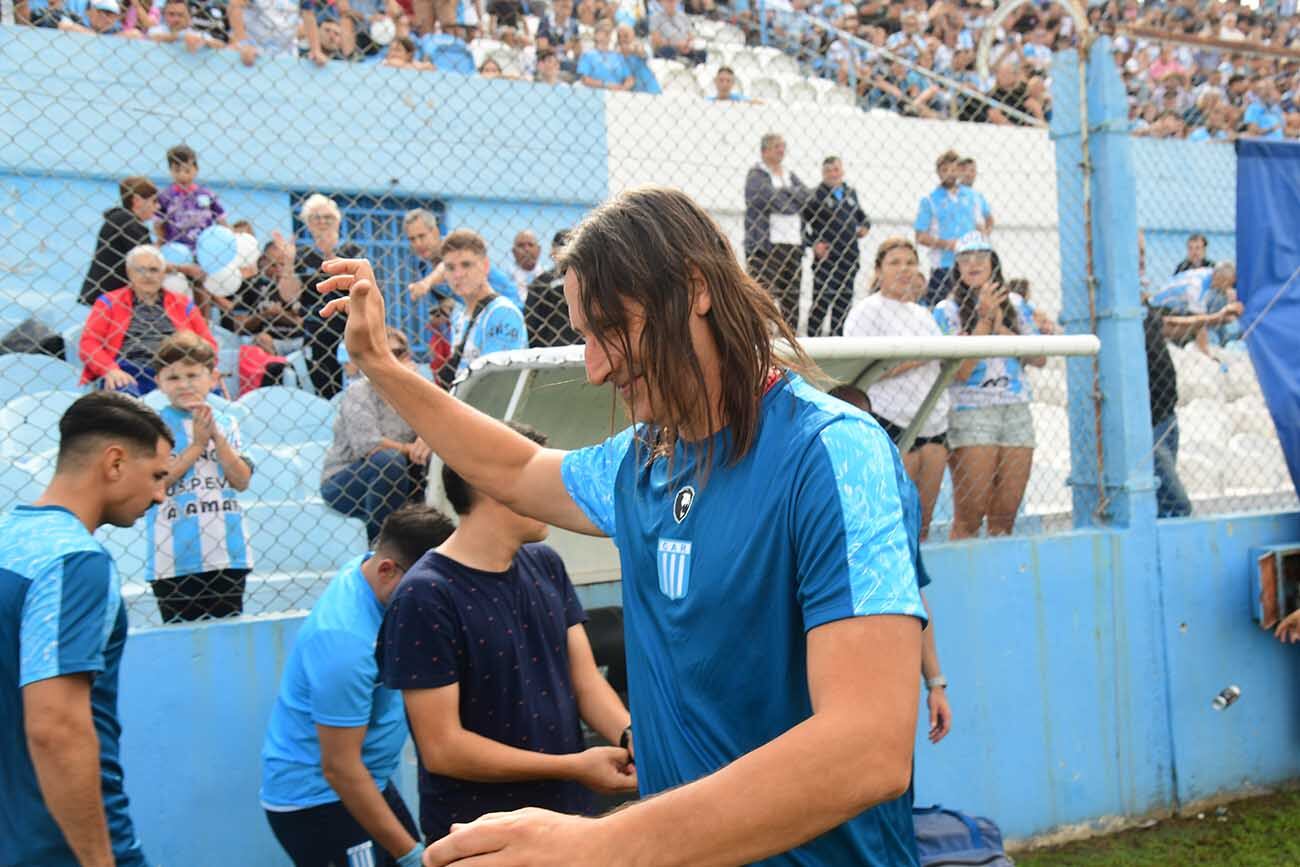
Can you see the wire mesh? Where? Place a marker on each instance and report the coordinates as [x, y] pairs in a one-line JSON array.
[[814, 133]]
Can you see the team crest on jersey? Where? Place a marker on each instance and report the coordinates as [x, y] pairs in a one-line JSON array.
[[682, 503], [674, 567]]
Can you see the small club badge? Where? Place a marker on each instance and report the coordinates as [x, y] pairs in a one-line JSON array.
[[682, 503]]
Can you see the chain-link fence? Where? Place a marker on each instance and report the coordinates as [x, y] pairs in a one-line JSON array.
[[242, 143], [1192, 92]]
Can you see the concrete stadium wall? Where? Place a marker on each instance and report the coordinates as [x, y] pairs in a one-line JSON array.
[[1082, 668]]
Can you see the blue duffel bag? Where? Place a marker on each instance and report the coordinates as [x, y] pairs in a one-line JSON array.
[[948, 838]]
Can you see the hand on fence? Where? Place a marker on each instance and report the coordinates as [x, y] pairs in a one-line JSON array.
[[365, 336]]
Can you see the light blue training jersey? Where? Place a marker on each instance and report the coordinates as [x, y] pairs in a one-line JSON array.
[[331, 679], [61, 614]]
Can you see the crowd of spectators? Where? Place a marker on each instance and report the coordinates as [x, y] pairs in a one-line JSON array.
[[917, 57]]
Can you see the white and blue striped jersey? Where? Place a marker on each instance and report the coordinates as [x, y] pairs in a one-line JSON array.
[[993, 381], [199, 527]]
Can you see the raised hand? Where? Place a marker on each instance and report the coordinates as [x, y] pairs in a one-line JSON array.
[[204, 426], [1288, 631], [366, 334]]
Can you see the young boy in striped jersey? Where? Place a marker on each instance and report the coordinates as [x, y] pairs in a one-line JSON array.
[[198, 557]]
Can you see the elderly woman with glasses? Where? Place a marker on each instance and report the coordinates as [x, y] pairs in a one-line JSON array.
[[127, 325], [376, 463], [322, 337]]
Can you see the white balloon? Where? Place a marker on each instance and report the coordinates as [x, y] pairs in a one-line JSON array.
[[383, 31], [223, 283], [247, 250], [177, 283]]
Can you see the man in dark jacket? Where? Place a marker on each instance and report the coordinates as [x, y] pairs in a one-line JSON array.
[[125, 228], [773, 247], [546, 314], [833, 221]]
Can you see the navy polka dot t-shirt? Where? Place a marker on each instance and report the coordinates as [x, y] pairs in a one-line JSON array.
[[503, 636]]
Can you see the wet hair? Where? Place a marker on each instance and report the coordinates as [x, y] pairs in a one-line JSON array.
[[103, 416], [458, 491], [409, 532], [181, 154], [185, 346], [654, 247], [135, 187]]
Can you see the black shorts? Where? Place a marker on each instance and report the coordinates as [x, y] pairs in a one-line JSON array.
[[200, 596], [896, 434], [328, 836]]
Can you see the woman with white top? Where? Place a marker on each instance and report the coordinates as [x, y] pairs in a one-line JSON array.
[[990, 428], [891, 311]]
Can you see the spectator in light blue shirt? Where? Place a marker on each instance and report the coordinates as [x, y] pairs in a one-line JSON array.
[[1263, 117], [948, 213], [602, 68]]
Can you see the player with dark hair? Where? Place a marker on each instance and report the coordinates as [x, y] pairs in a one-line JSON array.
[[485, 640], [62, 632], [335, 737], [769, 582]]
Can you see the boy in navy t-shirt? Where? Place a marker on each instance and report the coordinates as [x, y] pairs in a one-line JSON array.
[[484, 637]]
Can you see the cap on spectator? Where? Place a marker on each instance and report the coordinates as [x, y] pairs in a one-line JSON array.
[[973, 242], [109, 6]]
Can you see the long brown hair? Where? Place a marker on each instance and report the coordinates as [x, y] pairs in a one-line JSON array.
[[646, 246]]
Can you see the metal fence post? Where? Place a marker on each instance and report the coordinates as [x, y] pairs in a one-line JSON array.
[[1113, 484]]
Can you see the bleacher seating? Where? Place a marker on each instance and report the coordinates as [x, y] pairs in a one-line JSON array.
[[23, 374], [284, 416]]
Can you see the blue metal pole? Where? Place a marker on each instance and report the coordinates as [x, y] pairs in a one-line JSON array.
[[1116, 484]]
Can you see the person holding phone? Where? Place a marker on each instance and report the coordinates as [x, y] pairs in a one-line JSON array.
[[990, 427]]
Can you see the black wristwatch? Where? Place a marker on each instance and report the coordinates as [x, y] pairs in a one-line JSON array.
[[625, 738]]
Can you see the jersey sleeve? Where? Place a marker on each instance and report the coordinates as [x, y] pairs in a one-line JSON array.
[[924, 216], [503, 329], [340, 669], [66, 618], [590, 474], [854, 550], [420, 641]]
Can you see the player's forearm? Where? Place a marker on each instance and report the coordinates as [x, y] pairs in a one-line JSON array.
[[925, 239], [600, 707], [363, 800], [929, 649], [489, 456], [816, 776], [66, 758], [464, 755]]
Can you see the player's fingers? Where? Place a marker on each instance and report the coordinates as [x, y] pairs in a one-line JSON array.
[[338, 305], [337, 283], [480, 837], [344, 266]]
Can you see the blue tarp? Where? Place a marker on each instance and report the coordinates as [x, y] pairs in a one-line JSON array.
[[1268, 279]]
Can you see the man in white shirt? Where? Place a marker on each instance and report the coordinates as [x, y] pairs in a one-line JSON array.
[[773, 237]]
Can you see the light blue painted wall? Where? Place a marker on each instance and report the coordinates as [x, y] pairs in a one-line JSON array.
[[1053, 646], [1184, 187]]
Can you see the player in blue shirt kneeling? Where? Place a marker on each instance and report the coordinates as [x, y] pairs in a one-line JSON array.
[[335, 736], [771, 612]]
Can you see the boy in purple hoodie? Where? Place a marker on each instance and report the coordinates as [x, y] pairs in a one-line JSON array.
[[185, 209]]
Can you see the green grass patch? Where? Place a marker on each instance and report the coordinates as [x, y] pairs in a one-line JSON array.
[[1257, 832]]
